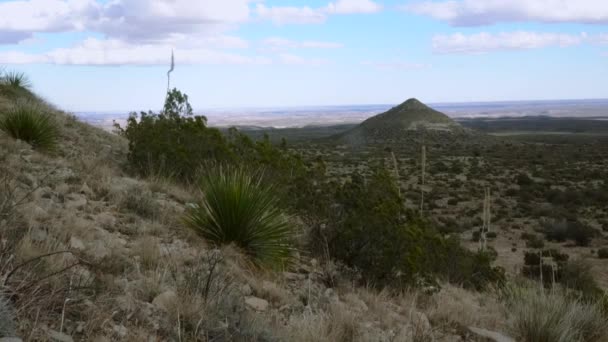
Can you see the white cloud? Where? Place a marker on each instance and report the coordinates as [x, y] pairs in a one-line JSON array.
[[116, 52], [485, 12], [129, 20], [279, 44], [307, 15], [290, 59], [487, 42], [19, 20], [290, 15], [397, 65], [353, 6]]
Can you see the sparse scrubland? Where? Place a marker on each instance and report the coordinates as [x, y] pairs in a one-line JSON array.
[[171, 230]]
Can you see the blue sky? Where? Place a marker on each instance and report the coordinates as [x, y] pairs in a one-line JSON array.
[[112, 55]]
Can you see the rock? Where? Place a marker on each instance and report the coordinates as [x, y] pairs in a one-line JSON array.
[[293, 276], [98, 250], [258, 304], [76, 243], [58, 336], [492, 335], [85, 190], [120, 330], [246, 290], [165, 300], [420, 321], [10, 339], [38, 234], [75, 201]]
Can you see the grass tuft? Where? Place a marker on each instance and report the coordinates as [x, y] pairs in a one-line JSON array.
[[552, 316], [16, 79], [238, 209], [31, 123]]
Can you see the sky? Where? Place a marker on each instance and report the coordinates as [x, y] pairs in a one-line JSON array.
[[113, 55]]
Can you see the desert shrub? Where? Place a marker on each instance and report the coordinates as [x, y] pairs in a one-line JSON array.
[[238, 208], [578, 276], [15, 85], [391, 246], [491, 235], [564, 230], [140, 201], [7, 318], [551, 316], [534, 241], [31, 123], [602, 253], [174, 142]]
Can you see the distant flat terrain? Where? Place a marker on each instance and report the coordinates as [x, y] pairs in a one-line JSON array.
[[354, 114]]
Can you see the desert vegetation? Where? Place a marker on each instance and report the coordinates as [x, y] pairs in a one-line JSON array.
[[171, 230]]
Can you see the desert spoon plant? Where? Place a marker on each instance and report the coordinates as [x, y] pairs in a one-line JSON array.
[[237, 208]]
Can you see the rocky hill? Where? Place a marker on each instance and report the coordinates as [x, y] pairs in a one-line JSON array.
[[89, 252], [410, 121]]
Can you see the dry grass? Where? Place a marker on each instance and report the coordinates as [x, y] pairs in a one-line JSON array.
[[540, 315]]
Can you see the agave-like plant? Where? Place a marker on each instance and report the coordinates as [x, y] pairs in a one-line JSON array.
[[32, 123], [16, 79], [237, 208]]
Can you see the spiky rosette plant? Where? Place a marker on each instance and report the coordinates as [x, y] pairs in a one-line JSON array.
[[237, 208], [16, 79], [32, 123]]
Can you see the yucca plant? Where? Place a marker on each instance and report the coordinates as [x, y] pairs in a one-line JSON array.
[[16, 79], [237, 208], [31, 123]]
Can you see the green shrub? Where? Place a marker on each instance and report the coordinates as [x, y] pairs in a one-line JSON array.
[[551, 316], [238, 208], [372, 232], [602, 253], [174, 142], [31, 123]]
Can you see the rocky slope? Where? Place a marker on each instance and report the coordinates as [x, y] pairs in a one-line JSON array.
[[90, 253]]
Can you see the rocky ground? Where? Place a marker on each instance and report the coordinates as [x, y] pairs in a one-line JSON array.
[[90, 253]]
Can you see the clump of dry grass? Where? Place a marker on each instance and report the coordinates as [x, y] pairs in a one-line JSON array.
[[552, 316]]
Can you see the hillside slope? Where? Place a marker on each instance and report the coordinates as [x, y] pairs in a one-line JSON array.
[[90, 253]]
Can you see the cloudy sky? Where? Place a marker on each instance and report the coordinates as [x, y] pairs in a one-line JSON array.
[[104, 55]]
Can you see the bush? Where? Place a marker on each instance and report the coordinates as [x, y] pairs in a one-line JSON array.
[[551, 316], [15, 85], [391, 246], [31, 123], [174, 142], [578, 276], [237, 208], [602, 253], [563, 230]]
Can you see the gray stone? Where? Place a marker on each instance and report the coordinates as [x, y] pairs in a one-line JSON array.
[[493, 335], [38, 234], [76, 243], [10, 339], [58, 336], [165, 300], [246, 290], [75, 201], [258, 304]]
